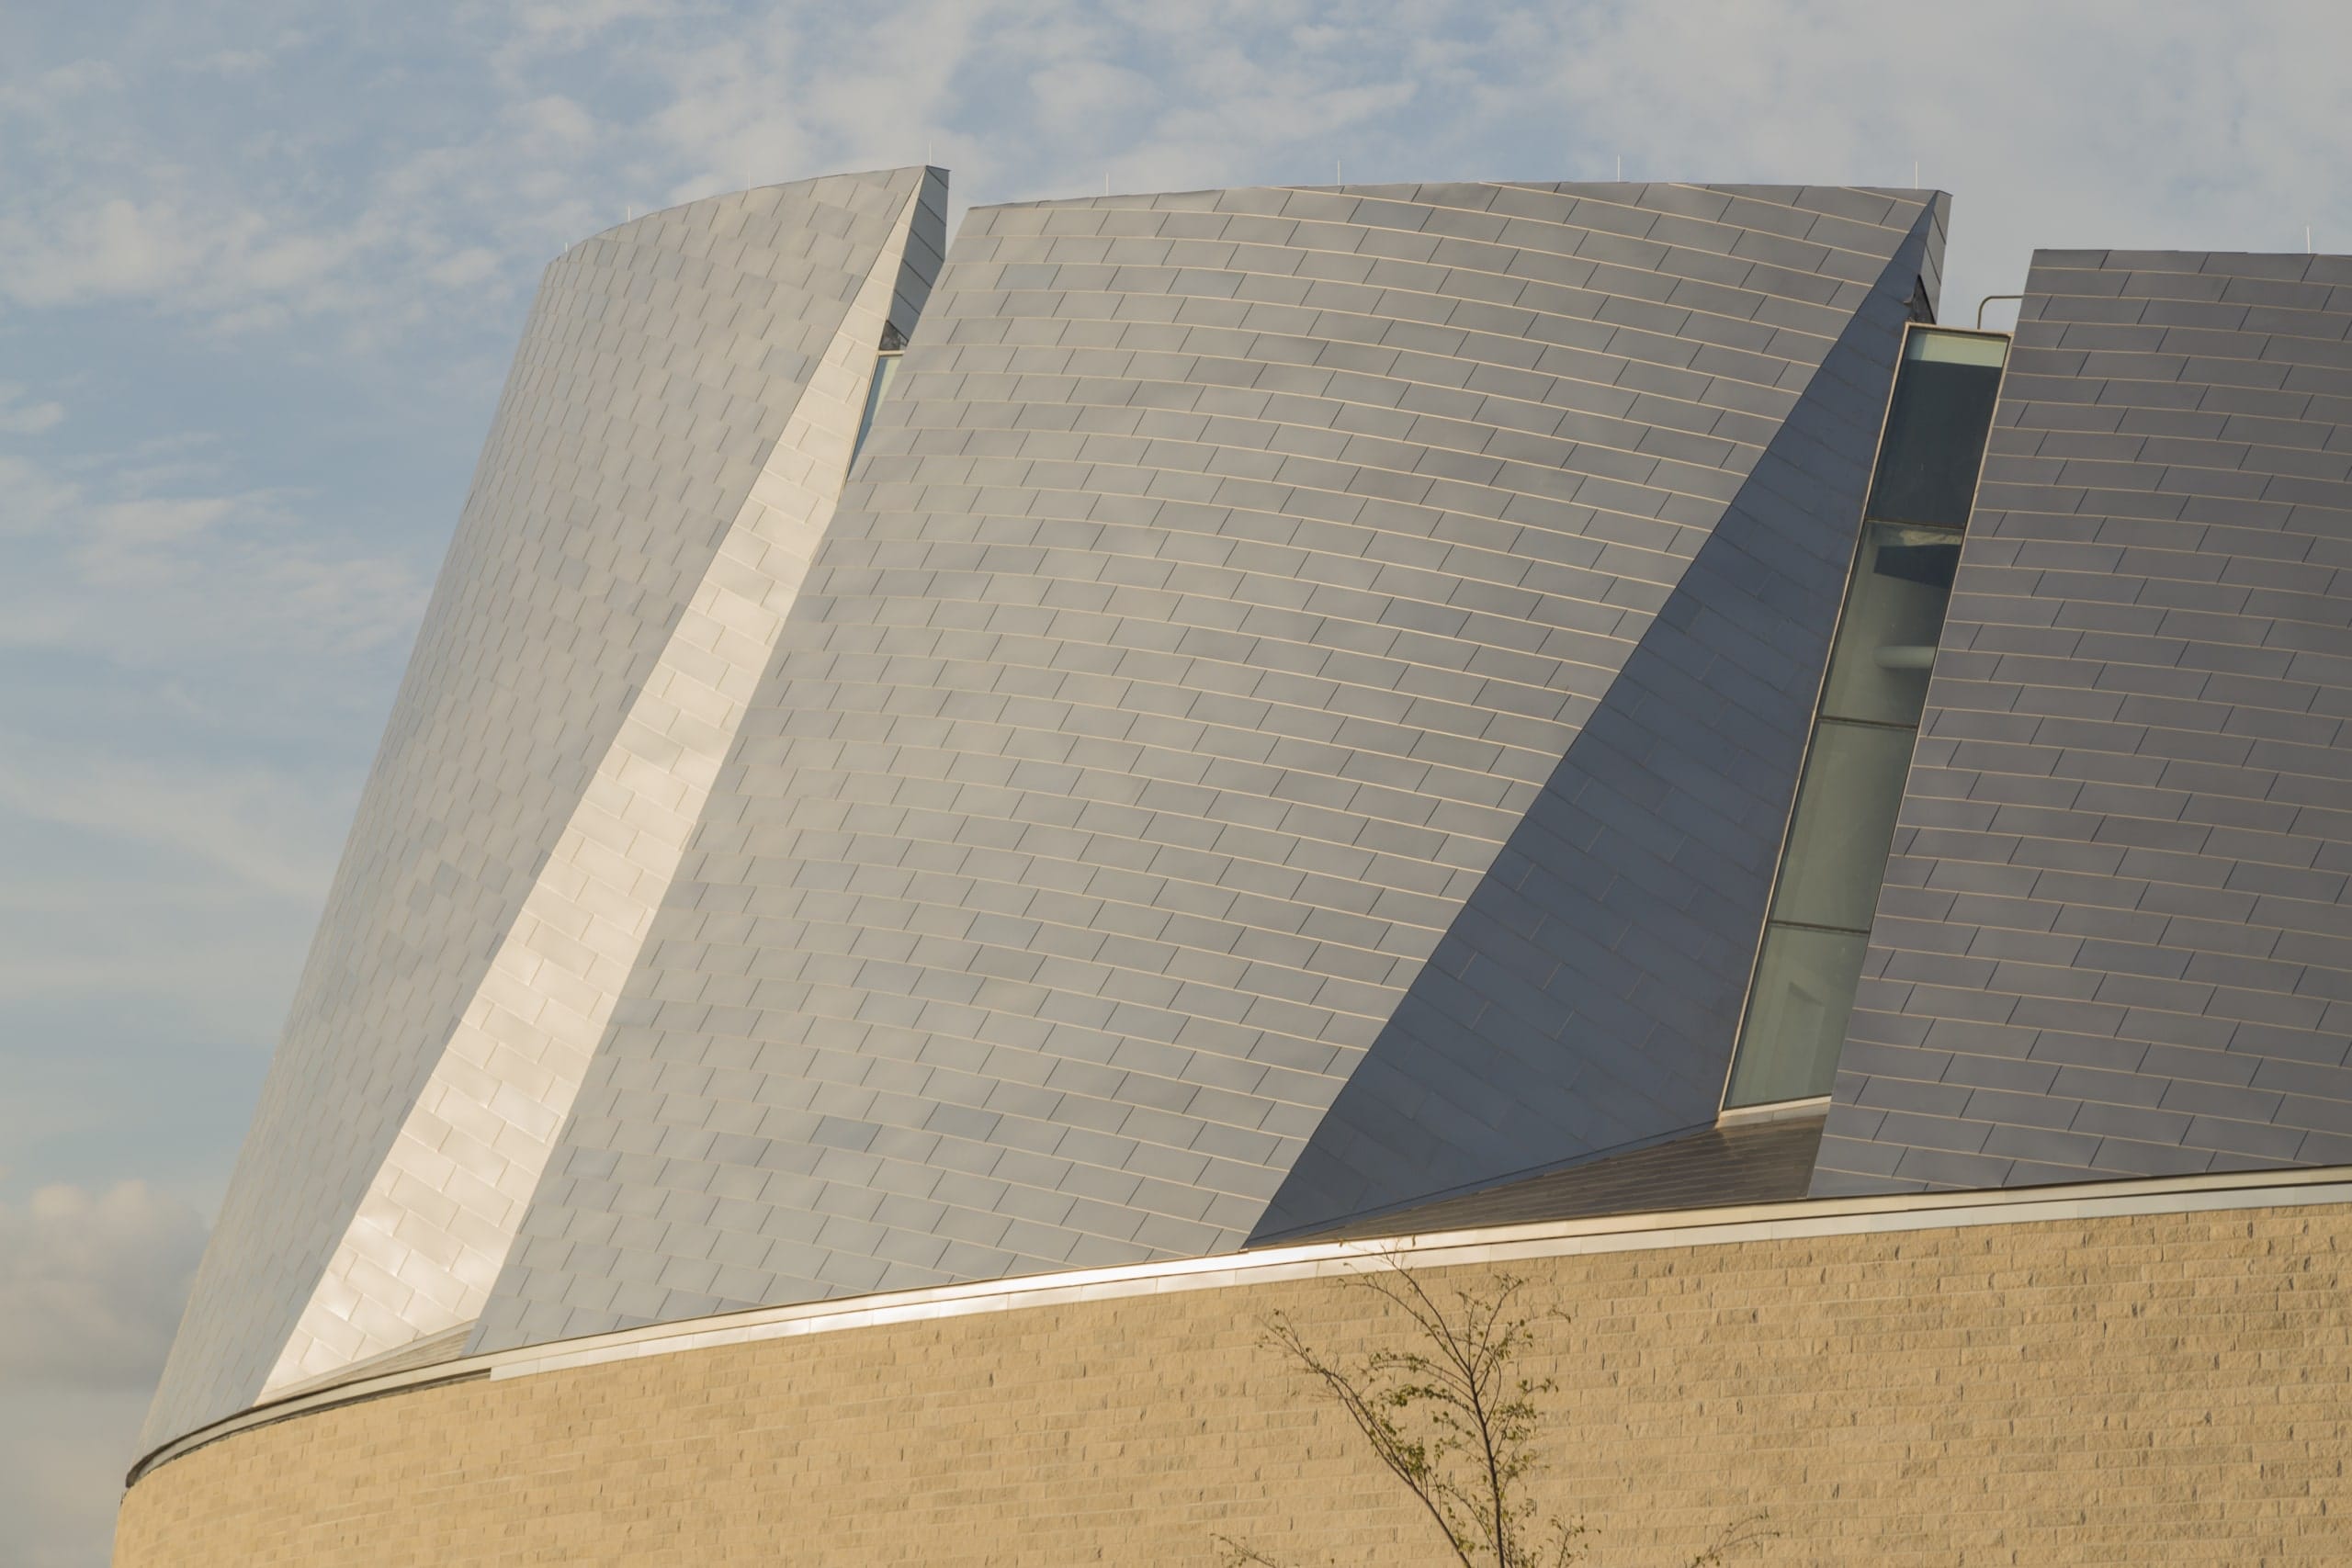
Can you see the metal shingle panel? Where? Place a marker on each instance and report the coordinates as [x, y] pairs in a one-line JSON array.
[[2148, 768], [1210, 888]]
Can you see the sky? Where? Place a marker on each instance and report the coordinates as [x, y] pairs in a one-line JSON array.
[[262, 266]]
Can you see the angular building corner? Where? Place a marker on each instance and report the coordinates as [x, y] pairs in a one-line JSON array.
[[666, 454], [1229, 576], [2116, 934], [1585, 995], [1182, 723]]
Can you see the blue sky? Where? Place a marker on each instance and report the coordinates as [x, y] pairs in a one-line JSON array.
[[262, 264]]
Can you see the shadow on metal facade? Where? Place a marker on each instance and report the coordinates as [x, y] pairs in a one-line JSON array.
[[1225, 579], [1586, 997], [1289, 721], [2115, 937]]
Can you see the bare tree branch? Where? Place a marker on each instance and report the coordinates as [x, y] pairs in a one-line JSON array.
[[1455, 1422]]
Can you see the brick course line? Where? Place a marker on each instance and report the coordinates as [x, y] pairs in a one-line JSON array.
[[2324, 1192]]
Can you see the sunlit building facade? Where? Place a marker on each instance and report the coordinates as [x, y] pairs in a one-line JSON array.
[[1245, 725]]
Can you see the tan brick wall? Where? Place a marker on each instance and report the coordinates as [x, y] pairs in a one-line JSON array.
[[2152, 1388]]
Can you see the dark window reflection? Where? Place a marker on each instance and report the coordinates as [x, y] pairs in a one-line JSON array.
[[886, 370], [1872, 697], [1936, 428]]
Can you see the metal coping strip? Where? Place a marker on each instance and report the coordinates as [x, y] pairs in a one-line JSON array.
[[1537, 1239]]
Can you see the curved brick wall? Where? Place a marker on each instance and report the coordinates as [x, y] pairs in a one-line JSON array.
[[2108, 1387]]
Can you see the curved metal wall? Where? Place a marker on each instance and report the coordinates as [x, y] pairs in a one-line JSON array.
[[661, 361], [2116, 937], [1227, 575]]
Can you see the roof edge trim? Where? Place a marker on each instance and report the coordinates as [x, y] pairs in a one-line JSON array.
[[1550, 1239]]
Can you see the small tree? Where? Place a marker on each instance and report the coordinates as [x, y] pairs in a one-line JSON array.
[[1455, 1422]]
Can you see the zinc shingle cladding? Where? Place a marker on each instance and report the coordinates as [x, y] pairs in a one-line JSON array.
[[427, 1241], [1586, 997], [658, 363], [2115, 937], [1225, 578]]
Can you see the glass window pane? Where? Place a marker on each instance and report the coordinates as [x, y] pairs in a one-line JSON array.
[[1796, 1015], [1845, 820], [885, 369], [1935, 426], [1895, 612], [1948, 345], [1850, 791]]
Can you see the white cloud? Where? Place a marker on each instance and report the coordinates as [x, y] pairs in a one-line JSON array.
[[232, 63], [1074, 97], [91, 1288], [92, 1284], [139, 572], [573, 24], [63, 1454], [107, 246], [46, 92], [31, 496], [268, 829], [533, 123], [179, 253], [2098, 123], [200, 673], [20, 417]]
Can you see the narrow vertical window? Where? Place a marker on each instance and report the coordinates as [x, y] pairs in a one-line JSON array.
[[1872, 692], [886, 370]]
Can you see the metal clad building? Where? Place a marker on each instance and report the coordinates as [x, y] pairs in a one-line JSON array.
[[2115, 938], [1586, 997], [1176, 722], [1230, 580], [661, 363]]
